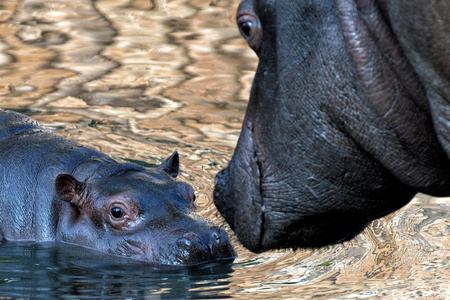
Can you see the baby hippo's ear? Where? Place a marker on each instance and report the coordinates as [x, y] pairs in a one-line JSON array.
[[171, 165], [69, 189], [188, 193]]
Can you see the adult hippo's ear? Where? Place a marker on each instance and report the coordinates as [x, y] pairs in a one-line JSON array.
[[171, 165], [69, 189]]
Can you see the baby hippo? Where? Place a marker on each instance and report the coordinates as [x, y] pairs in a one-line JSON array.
[[53, 189]]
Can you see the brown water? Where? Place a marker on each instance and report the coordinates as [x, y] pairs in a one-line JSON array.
[[139, 79]]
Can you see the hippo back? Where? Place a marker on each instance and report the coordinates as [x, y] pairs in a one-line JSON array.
[[12, 124], [32, 157]]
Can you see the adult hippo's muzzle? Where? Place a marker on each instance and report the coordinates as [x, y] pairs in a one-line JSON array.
[[272, 200], [237, 195], [339, 127]]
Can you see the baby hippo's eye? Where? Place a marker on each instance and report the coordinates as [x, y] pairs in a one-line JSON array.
[[122, 213], [117, 212]]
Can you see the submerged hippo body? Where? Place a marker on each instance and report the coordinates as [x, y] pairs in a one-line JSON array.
[[53, 189], [348, 118]]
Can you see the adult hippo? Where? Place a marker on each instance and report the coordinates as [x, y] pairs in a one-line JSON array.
[[349, 117], [52, 189]]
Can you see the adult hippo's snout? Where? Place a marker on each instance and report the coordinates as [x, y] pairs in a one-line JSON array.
[[237, 194], [230, 205], [348, 118], [269, 208]]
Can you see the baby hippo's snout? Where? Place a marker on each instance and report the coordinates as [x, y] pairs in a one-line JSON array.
[[199, 247]]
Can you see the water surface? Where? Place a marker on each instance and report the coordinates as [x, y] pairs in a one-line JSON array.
[[138, 79]]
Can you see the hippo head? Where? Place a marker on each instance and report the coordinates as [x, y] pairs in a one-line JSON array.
[[338, 129], [130, 211]]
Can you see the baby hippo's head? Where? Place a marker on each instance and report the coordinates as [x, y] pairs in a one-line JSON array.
[[130, 211]]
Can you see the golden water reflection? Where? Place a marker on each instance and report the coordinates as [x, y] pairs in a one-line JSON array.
[[139, 79]]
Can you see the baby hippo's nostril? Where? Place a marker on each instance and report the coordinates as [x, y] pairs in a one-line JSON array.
[[219, 244], [218, 236], [202, 246], [191, 236], [191, 249], [190, 239]]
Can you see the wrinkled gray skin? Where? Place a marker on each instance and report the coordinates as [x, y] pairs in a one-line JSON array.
[[52, 189], [348, 118]]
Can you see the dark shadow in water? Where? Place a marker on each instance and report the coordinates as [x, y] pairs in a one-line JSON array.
[[56, 270]]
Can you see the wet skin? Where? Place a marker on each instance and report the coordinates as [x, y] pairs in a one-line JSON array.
[[348, 118], [53, 189]]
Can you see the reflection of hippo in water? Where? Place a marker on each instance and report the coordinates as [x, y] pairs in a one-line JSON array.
[[52, 189], [348, 118]]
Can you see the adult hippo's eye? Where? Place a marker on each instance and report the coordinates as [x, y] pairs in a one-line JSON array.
[[250, 27], [246, 28], [117, 212]]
